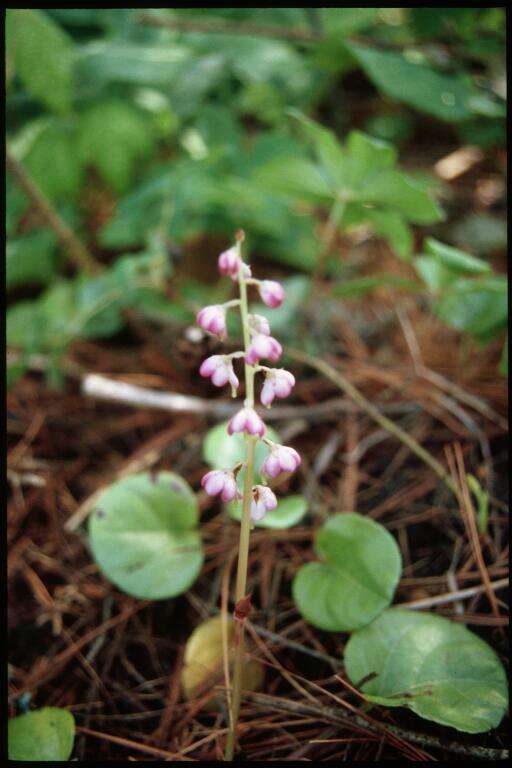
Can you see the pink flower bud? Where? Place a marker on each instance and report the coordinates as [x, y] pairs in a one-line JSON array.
[[263, 346], [213, 320], [278, 383], [229, 263], [259, 324], [220, 369], [246, 420], [272, 293], [281, 458], [220, 481], [262, 502]]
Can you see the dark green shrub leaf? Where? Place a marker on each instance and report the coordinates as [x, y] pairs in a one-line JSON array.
[[454, 259], [143, 535], [42, 54], [31, 258], [435, 667], [478, 306], [60, 179], [419, 85], [112, 137], [357, 579]]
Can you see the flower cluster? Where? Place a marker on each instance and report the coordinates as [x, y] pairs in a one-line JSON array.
[[278, 382]]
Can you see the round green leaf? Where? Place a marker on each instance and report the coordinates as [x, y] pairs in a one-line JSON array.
[[431, 665], [45, 734], [223, 451], [357, 579], [143, 535], [289, 511]]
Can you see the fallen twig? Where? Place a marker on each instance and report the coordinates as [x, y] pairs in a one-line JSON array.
[[332, 715], [104, 388]]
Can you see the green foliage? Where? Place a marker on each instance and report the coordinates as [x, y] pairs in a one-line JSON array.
[[360, 178], [143, 535], [112, 136], [357, 578], [187, 135], [31, 258], [437, 668], [289, 511], [468, 296], [85, 307], [411, 79], [60, 179], [478, 307], [45, 734], [41, 55]]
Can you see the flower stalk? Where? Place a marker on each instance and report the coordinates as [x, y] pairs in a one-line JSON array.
[[257, 500]]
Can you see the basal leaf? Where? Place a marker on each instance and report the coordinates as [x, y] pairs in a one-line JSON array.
[[203, 665], [357, 578], [143, 535], [431, 665], [289, 511], [45, 734]]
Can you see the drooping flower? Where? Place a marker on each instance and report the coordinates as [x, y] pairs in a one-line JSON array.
[[281, 458], [271, 292], [220, 369], [278, 383], [259, 324], [263, 500], [229, 263], [246, 420], [263, 346], [213, 320], [220, 481]]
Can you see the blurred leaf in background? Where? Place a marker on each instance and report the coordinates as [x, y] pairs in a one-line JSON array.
[[147, 137]]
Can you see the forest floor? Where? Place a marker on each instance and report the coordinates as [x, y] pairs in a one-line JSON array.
[[115, 662]]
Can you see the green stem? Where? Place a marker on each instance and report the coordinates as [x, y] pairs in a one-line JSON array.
[[245, 529]]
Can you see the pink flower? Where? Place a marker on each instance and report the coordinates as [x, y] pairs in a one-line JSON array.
[[220, 481], [280, 459], [248, 421], [213, 320], [229, 263], [263, 346], [278, 383], [263, 501], [272, 293], [220, 369], [259, 324]]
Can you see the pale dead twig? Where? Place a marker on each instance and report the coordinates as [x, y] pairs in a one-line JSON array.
[[105, 388], [453, 597]]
